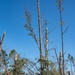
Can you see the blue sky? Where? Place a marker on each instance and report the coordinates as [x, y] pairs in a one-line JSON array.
[[12, 21]]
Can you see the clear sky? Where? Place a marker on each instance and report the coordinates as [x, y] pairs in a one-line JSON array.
[[12, 21]]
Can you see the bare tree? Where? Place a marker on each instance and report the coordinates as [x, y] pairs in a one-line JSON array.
[[1, 40], [42, 40], [59, 4], [29, 27]]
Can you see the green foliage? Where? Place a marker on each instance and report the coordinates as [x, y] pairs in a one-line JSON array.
[[3, 59], [23, 65], [12, 53]]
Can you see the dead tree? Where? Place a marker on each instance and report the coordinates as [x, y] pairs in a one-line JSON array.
[[40, 38], [39, 28], [43, 59], [1, 40], [29, 27], [46, 49], [59, 3], [46, 41]]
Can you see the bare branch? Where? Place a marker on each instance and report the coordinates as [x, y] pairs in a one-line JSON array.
[[51, 30], [65, 29], [29, 27]]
